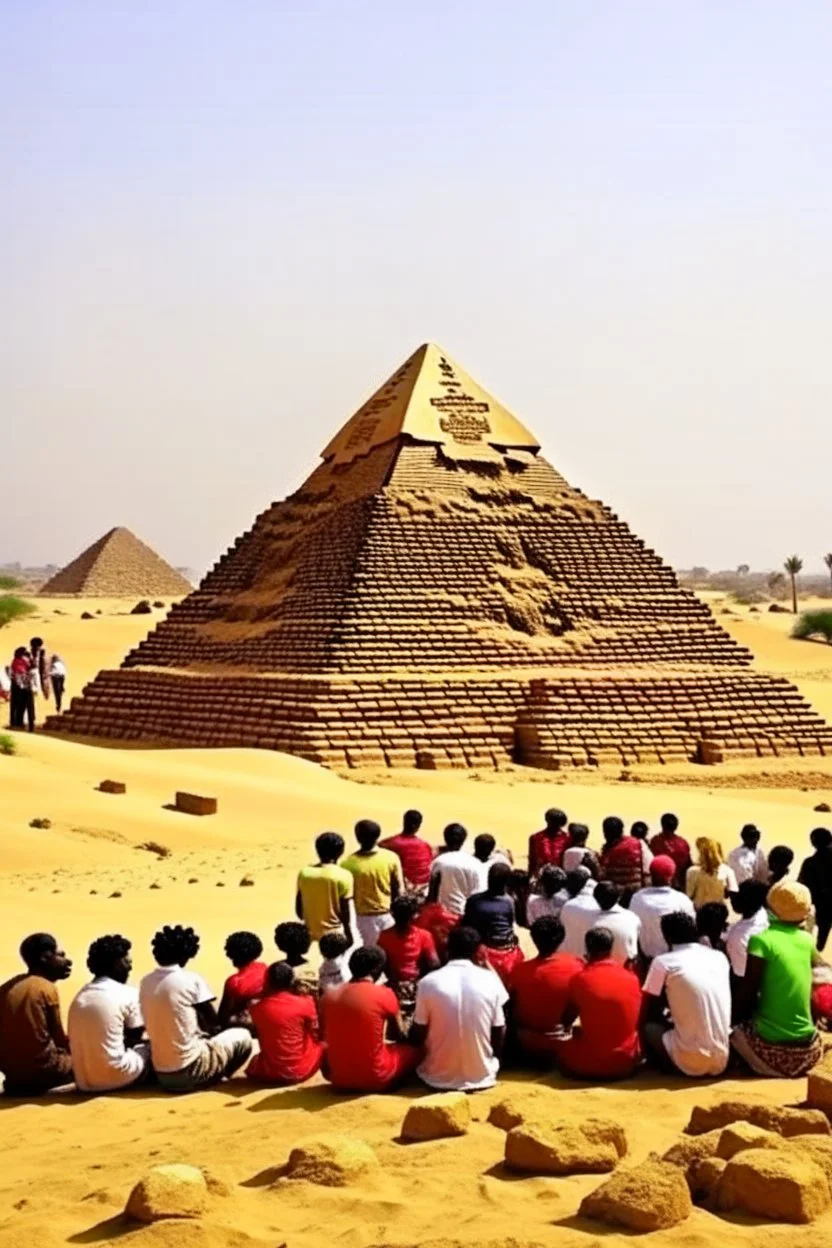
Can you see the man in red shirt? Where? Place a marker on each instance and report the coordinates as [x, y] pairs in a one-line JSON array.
[[410, 950], [608, 999], [548, 845], [286, 1024], [540, 989], [415, 853], [356, 1017], [243, 950], [621, 858], [670, 845]]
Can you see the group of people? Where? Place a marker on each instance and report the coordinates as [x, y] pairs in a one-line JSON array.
[[421, 970], [31, 674]]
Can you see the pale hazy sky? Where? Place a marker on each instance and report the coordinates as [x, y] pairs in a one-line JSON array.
[[223, 224]]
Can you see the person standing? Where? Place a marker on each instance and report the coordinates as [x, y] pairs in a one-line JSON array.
[[377, 879], [491, 914], [607, 999], [540, 990], [23, 678], [748, 861], [691, 982], [34, 1049], [105, 1024], [623, 925], [668, 843], [651, 904], [325, 891], [460, 1019], [415, 853], [712, 879], [455, 874], [57, 679], [816, 875], [579, 913], [286, 1025], [548, 846], [621, 858], [40, 661]]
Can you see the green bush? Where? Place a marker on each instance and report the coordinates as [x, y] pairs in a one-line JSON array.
[[12, 608], [8, 745], [8, 582], [813, 624]]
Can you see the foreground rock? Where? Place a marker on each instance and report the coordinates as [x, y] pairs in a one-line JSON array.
[[781, 1185], [438, 1117], [331, 1160], [741, 1136], [650, 1197], [786, 1122], [173, 1191], [691, 1149], [819, 1094], [703, 1180], [541, 1108], [535, 1149], [817, 1148]]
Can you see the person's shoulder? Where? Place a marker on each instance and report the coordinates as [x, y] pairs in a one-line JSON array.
[[37, 986]]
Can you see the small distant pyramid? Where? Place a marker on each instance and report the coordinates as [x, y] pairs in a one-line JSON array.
[[118, 565]]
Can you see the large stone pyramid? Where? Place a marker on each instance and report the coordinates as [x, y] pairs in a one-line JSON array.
[[436, 594], [117, 565]]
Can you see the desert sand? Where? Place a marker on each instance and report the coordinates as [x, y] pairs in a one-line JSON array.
[[69, 1163]]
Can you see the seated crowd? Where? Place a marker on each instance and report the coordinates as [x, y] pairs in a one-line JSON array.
[[421, 970]]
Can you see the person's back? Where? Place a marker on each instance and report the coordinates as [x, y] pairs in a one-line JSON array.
[[103, 1015], [623, 925], [580, 912], [416, 854], [696, 982], [455, 874], [651, 904], [286, 1025], [356, 1019], [377, 879], [668, 843], [547, 847], [167, 997], [325, 889], [606, 997], [816, 875], [621, 858], [783, 1012], [540, 988], [34, 1050]]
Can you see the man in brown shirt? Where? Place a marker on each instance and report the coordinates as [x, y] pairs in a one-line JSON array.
[[34, 1050]]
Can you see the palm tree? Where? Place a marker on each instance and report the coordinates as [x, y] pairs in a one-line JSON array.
[[827, 559], [793, 565]]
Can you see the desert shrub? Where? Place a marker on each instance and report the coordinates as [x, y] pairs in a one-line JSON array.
[[813, 624], [8, 582], [13, 608], [8, 745], [749, 597]]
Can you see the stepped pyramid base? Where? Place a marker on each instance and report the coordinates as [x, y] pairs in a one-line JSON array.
[[549, 721]]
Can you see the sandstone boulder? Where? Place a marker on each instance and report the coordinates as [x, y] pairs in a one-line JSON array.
[[817, 1148], [819, 1095], [604, 1131], [740, 1136], [784, 1121], [535, 1149], [649, 1197], [437, 1117], [173, 1191], [776, 1184], [331, 1160], [690, 1149], [535, 1104], [703, 1179]]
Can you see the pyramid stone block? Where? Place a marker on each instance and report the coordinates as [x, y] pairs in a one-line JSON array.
[[437, 595]]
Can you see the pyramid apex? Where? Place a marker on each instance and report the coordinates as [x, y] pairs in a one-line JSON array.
[[430, 399]]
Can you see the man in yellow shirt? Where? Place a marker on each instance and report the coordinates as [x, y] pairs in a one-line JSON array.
[[377, 877], [325, 891]]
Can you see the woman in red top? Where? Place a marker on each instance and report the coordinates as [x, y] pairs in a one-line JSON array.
[[410, 951], [286, 1024]]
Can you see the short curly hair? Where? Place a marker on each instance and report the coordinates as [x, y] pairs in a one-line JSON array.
[[105, 952], [174, 946], [292, 938], [243, 947]]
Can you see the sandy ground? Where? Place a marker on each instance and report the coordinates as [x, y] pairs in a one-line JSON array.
[[69, 1163]]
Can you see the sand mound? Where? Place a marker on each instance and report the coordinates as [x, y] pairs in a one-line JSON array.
[[173, 1191], [331, 1160]]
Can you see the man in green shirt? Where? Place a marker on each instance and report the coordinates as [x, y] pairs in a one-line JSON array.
[[778, 1038]]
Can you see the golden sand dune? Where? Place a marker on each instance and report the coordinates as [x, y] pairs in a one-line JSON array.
[[69, 1163]]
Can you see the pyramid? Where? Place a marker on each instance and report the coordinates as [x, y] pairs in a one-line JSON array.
[[118, 565], [437, 595]]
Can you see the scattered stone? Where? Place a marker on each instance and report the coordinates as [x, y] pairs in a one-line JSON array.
[[193, 804], [823, 808], [819, 1094], [690, 1149], [246, 882], [168, 1192], [153, 847], [220, 884], [93, 892], [649, 1197], [777, 609], [605, 1131], [159, 605], [774, 1185], [784, 1121], [535, 1104], [142, 608], [703, 1179], [112, 786], [45, 824], [87, 615], [331, 1160], [437, 1117], [740, 1136], [193, 880], [535, 1149], [116, 894], [155, 885]]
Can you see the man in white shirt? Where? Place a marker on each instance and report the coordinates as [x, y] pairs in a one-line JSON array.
[[455, 875], [623, 926], [693, 983], [460, 1020], [105, 1022], [748, 861], [580, 912], [750, 903], [651, 904], [187, 1048]]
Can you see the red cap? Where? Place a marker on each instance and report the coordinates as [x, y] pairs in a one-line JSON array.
[[663, 868]]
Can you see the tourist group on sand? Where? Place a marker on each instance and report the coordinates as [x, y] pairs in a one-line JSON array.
[[642, 955], [32, 674]]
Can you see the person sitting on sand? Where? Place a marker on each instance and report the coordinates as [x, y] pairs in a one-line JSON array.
[[776, 1036], [780, 862], [415, 853], [187, 1047], [548, 846], [455, 874], [692, 984], [621, 858], [623, 924], [325, 890], [540, 990], [460, 1019], [551, 895], [712, 924], [293, 940], [750, 904], [434, 918], [816, 874], [579, 913], [286, 1025], [607, 999], [576, 853], [377, 879], [335, 957], [651, 904], [34, 1050], [668, 843], [243, 949], [712, 879], [748, 861], [358, 1020], [491, 914], [105, 1024], [487, 854], [519, 887], [409, 950]]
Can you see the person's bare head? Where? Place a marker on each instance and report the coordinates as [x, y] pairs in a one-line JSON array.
[[411, 822], [463, 942], [556, 821], [750, 836], [613, 829], [499, 879], [640, 830], [750, 897], [547, 932], [455, 836], [42, 956], [576, 881], [484, 846], [367, 832], [669, 824], [607, 895], [599, 944], [368, 962], [329, 847], [109, 957], [551, 880], [578, 834]]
